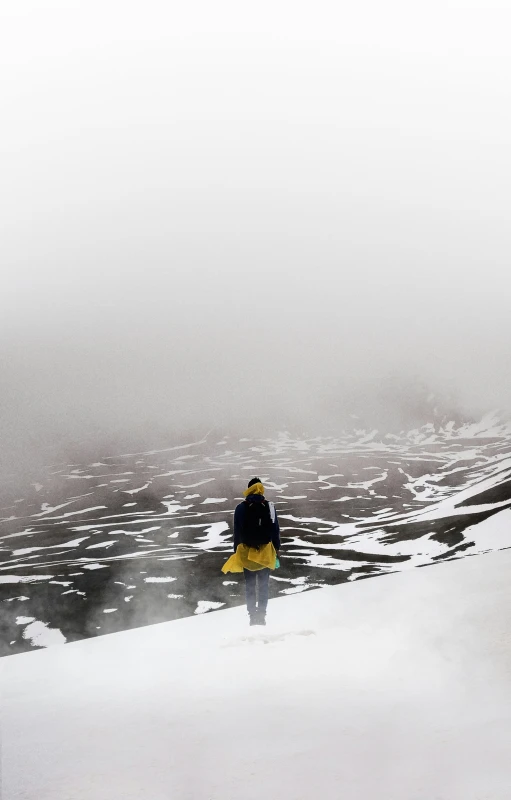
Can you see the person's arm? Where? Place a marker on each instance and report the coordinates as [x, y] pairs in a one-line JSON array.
[[238, 524], [276, 532]]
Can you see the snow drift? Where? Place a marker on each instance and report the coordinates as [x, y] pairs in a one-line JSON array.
[[396, 689]]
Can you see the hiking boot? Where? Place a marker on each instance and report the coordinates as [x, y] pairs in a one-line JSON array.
[[260, 618]]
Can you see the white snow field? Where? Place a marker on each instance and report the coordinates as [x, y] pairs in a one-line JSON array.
[[393, 688]]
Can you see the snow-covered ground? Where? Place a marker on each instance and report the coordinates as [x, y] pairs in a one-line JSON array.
[[397, 688]]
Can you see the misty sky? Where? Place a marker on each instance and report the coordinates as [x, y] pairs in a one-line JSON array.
[[214, 210]]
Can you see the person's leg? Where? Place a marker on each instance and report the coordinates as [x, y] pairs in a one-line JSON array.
[[250, 591], [263, 580]]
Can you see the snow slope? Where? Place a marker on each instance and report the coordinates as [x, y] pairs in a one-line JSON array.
[[396, 688]]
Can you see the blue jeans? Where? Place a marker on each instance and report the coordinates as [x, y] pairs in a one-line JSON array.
[[256, 586]]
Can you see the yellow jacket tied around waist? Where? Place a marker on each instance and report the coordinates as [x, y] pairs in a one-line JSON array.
[[251, 558]]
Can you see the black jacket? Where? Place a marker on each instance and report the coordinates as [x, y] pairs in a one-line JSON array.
[[239, 519]]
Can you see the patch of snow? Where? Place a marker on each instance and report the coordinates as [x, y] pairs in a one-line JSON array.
[[73, 543], [194, 485], [26, 532], [173, 506], [101, 544], [41, 635], [76, 513], [299, 588], [214, 500], [206, 605], [47, 509], [369, 483], [135, 491], [21, 599], [24, 578], [493, 533], [292, 518], [215, 536]]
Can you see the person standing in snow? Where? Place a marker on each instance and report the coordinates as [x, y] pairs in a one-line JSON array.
[[256, 546]]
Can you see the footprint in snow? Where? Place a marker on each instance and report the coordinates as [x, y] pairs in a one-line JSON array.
[[268, 638]]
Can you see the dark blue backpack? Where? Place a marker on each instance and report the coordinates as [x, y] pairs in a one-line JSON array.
[[257, 526]]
